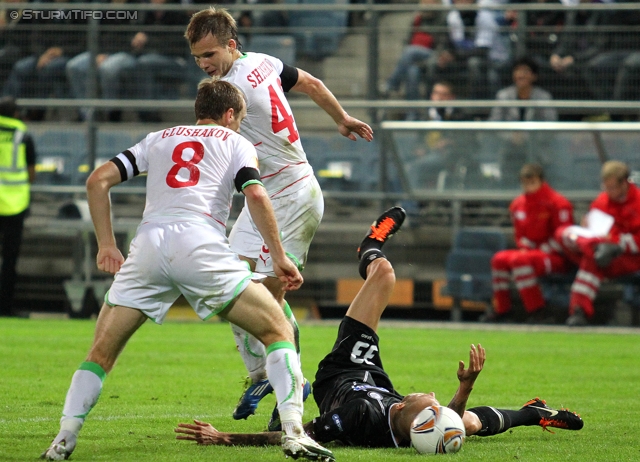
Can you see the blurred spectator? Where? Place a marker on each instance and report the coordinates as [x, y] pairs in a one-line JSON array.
[[272, 18], [153, 55], [445, 91], [535, 214], [627, 85], [17, 171], [13, 39], [474, 51], [41, 74], [620, 39], [160, 55], [519, 146], [543, 30], [442, 158], [578, 48], [112, 40], [608, 244], [525, 74], [412, 62]]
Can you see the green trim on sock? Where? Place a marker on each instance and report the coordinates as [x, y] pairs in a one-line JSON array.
[[295, 260], [248, 348], [287, 310], [95, 368], [293, 380], [278, 345]]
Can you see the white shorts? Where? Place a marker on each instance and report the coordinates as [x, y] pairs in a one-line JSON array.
[[169, 259], [298, 216]]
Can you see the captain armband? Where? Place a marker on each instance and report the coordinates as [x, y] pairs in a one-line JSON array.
[[288, 77], [126, 163], [247, 176]]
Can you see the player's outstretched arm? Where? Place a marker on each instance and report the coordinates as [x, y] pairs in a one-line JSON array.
[[467, 378], [262, 214], [205, 434], [316, 90], [99, 183]]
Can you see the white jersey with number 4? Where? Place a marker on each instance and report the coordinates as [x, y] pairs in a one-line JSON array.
[[269, 124], [191, 171]]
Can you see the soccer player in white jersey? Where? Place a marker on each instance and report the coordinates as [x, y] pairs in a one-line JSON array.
[[285, 171], [180, 248]]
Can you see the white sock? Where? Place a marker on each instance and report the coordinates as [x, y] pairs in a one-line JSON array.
[[286, 379], [83, 394], [252, 352]]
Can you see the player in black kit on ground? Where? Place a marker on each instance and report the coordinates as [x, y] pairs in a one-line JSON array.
[[358, 404]]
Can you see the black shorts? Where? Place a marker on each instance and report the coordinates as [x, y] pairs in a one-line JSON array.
[[355, 358]]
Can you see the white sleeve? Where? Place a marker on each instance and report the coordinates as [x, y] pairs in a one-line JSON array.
[[245, 155], [133, 161], [140, 152], [276, 63]]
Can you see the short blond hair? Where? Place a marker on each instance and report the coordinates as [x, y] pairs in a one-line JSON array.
[[614, 169]]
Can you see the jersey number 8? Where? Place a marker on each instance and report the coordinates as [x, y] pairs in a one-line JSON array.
[[180, 163]]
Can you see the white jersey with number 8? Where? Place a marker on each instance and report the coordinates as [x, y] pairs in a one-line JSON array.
[[191, 171]]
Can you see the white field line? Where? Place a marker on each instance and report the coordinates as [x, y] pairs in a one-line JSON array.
[[115, 417]]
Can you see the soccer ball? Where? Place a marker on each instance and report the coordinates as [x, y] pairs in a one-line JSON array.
[[437, 430]]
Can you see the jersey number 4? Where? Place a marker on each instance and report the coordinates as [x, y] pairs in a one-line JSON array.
[[180, 163], [280, 118], [363, 353]]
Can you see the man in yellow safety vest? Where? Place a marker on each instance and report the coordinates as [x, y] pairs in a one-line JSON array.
[[17, 171]]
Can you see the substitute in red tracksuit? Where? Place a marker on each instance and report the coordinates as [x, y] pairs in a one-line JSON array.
[[536, 215], [609, 256]]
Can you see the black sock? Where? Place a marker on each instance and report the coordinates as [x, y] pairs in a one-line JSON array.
[[367, 257], [495, 421]]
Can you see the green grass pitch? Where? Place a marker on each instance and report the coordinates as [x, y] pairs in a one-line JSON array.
[[178, 371]]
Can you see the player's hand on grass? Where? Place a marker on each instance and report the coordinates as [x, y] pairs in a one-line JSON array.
[[109, 259], [202, 433], [351, 125], [476, 362], [288, 273]]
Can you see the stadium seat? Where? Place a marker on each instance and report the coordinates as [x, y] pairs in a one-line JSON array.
[[111, 142], [282, 47], [556, 288], [309, 29], [468, 267], [341, 164], [60, 152]]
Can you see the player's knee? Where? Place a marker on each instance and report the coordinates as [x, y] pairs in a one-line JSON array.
[[276, 287], [381, 272], [520, 259], [276, 332], [472, 424], [499, 260]]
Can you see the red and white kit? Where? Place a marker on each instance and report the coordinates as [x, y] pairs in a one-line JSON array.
[[535, 218], [294, 191], [181, 244], [625, 231]]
